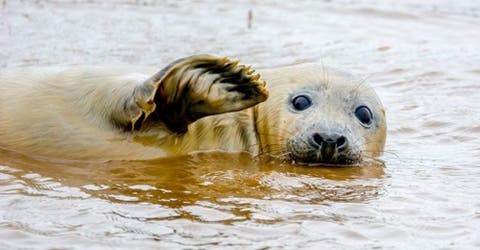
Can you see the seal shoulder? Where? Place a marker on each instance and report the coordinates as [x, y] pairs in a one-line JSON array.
[[62, 112]]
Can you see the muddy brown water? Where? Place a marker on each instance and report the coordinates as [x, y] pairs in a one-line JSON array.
[[422, 57]]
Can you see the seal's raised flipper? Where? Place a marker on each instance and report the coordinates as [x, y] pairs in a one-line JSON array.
[[194, 87]]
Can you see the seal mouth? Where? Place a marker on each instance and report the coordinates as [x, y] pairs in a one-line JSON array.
[[347, 165], [359, 163], [338, 161], [303, 153]]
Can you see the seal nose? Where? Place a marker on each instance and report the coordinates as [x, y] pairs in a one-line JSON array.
[[338, 141], [329, 144]]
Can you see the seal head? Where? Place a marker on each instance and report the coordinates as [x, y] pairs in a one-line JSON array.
[[327, 117]]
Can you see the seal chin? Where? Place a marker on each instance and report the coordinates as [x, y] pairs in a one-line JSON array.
[[315, 157]]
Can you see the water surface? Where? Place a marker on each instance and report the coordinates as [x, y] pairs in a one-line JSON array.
[[422, 57]]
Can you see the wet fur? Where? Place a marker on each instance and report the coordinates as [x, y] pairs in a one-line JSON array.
[[90, 113]]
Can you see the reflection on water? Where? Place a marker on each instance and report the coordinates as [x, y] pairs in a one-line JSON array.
[[421, 56], [155, 199], [200, 177]]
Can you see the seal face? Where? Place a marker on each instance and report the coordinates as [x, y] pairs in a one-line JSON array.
[[329, 117]]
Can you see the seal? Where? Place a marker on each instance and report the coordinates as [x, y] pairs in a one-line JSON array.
[[313, 115]]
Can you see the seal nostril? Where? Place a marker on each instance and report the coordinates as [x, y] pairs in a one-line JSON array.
[[318, 139], [341, 141]]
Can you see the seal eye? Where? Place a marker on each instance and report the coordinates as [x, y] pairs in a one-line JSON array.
[[364, 114], [301, 102]]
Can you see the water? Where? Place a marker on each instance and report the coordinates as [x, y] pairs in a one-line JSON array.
[[422, 57]]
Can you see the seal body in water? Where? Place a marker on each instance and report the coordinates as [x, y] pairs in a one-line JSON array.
[[305, 113]]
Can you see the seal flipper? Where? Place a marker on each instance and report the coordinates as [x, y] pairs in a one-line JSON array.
[[194, 87]]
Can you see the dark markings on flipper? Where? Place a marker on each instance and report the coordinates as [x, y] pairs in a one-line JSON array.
[[197, 86], [159, 75], [204, 65], [137, 123]]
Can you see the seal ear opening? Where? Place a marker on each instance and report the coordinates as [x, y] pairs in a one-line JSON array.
[[194, 87]]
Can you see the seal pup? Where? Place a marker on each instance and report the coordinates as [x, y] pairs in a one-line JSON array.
[[313, 115]]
